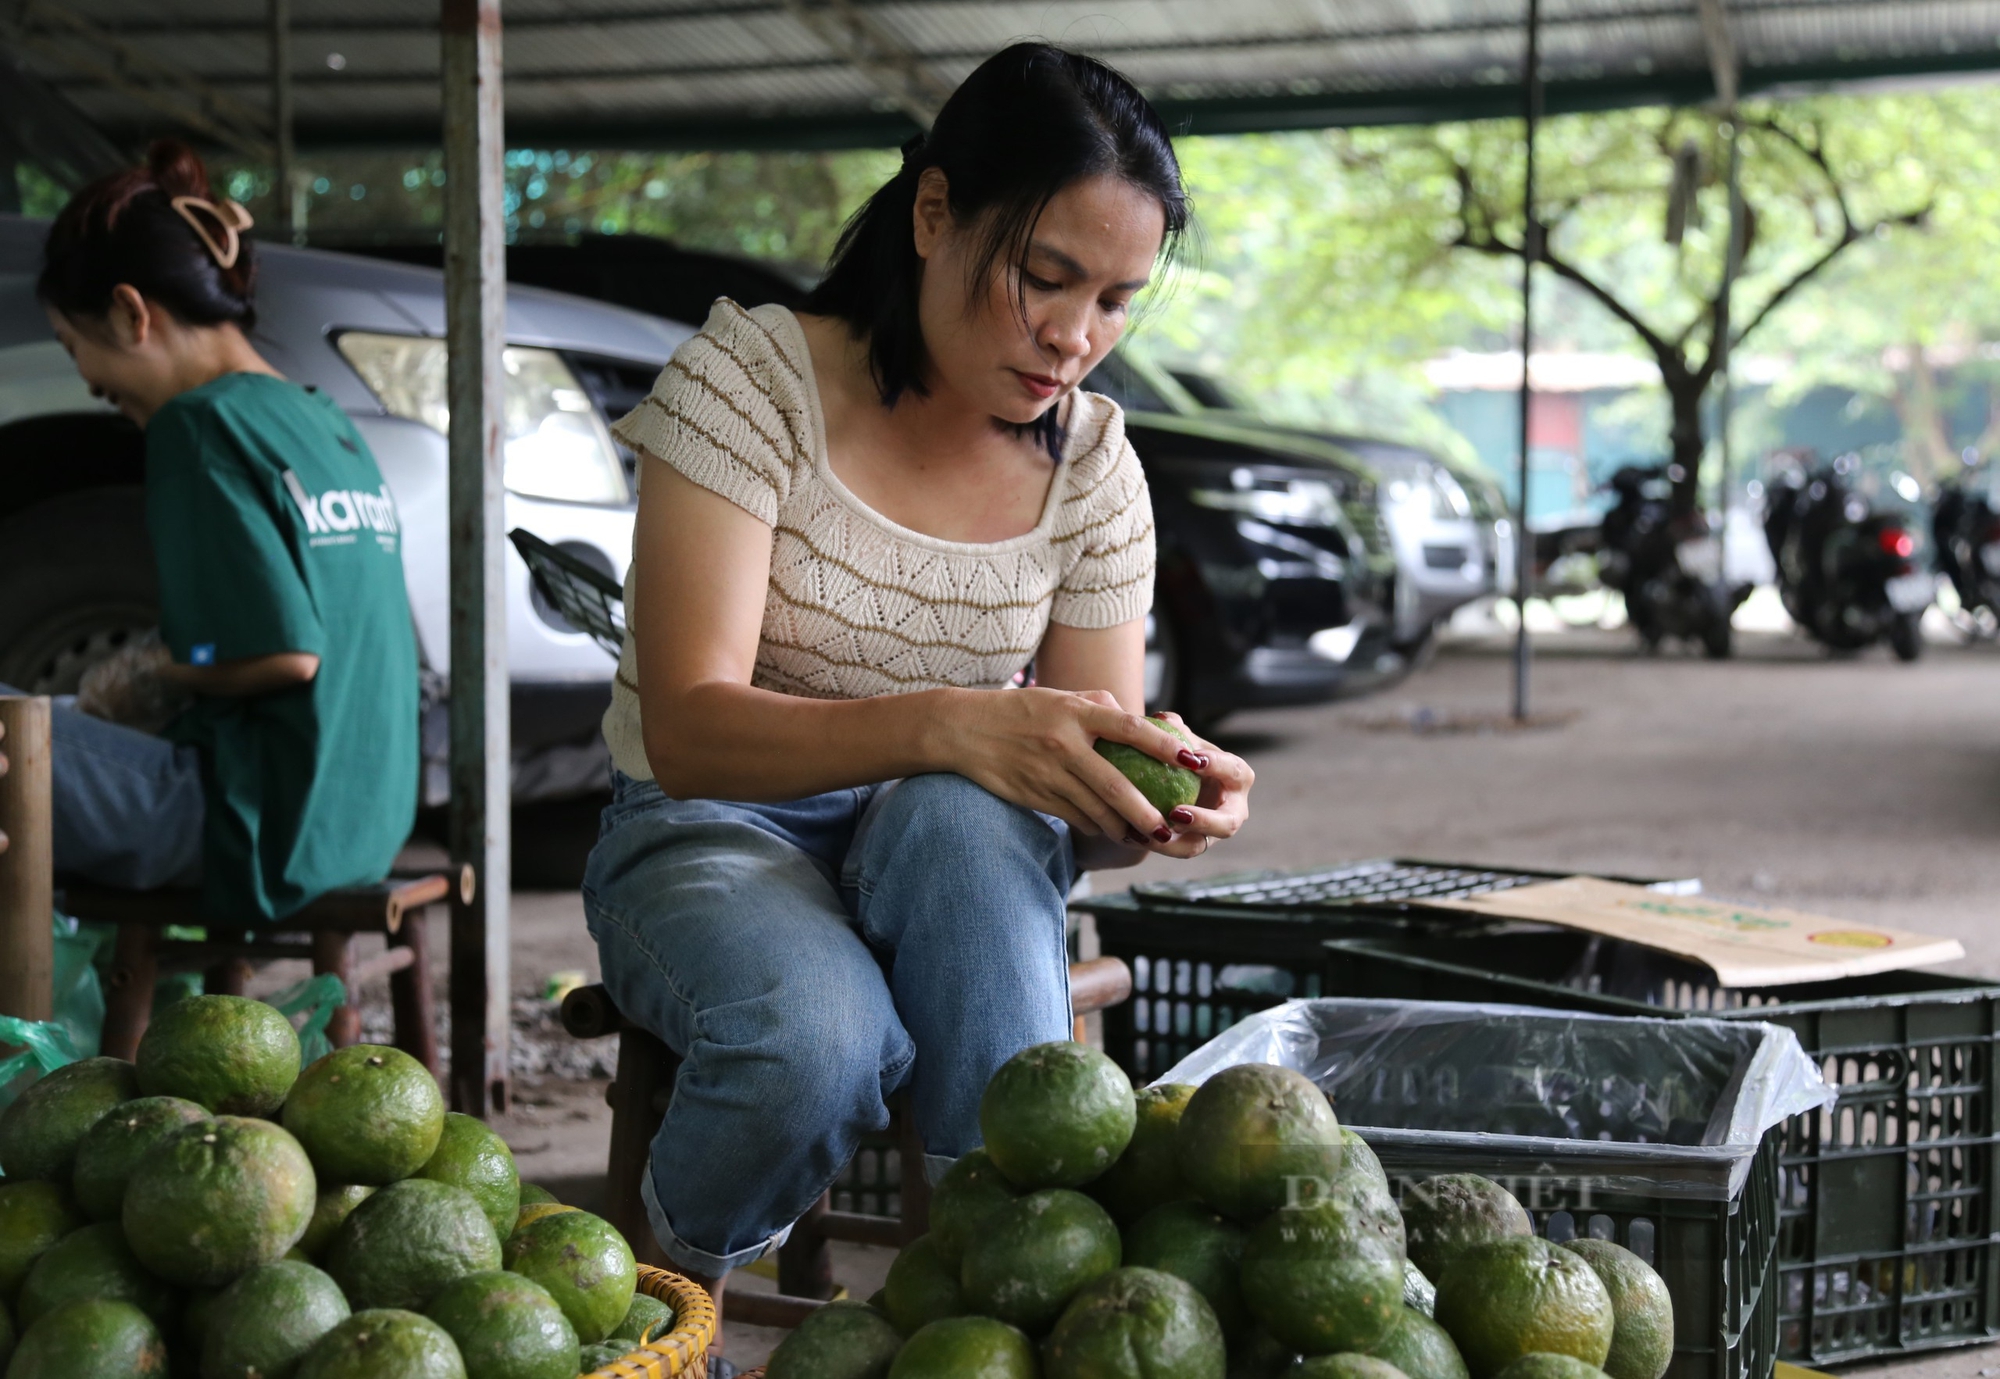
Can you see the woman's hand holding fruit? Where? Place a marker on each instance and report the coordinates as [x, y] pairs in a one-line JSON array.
[[1040, 748]]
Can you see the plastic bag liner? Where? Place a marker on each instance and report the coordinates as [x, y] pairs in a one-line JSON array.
[[1669, 1108], [316, 998]]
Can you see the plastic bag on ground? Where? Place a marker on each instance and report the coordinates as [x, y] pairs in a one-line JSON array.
[[1673, 1108]]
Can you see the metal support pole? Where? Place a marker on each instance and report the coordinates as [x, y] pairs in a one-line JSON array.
[[282, 172], [1531, 249], [475, 332], [1732, 267], [27, 866]]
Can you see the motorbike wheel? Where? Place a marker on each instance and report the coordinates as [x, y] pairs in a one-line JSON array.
[[1645, 620], [1717, 636], [1905, 638]]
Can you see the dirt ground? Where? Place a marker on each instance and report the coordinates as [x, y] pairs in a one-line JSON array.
[[1859, 788]]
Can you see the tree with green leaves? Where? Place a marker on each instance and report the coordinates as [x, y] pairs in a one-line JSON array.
[[1333, 255]]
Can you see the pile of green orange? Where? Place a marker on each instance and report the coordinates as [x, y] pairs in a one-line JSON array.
[[1232, 1230], [211, 1211]]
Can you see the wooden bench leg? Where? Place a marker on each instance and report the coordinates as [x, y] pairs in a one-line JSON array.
[[410, 995], [128, 998], [333, 951], [638, 1100], [226, 978], [805, 1260]]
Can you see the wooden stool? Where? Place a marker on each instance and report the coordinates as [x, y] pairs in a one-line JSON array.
[[323, 933], [645, 1084]]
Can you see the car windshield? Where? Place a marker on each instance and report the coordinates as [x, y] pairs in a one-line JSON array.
[[1120, 382]]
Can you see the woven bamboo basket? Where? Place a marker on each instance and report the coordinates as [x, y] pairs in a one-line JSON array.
[[683, 1351]]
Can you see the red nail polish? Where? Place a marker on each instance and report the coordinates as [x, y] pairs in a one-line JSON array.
[[1180, 815], [1163, 834], [1132, 836]]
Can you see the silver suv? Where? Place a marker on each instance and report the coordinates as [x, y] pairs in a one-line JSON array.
[[76, 568]]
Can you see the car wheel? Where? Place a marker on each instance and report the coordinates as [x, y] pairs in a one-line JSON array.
[[76, 584]]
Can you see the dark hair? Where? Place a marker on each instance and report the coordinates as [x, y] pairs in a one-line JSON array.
[[1030, 121], [123, 228]]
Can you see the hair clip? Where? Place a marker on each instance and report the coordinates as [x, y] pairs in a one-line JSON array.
[[912, 146], [229, 215]]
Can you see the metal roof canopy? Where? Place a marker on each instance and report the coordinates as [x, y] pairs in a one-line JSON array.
[[830, 73]]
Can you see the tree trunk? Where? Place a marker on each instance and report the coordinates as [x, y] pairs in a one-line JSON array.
[[1988, 442], [1929, 453], [1684, 396]]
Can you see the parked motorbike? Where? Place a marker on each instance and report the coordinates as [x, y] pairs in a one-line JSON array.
[[1847, 569], [1668, 567], [1965, 527]]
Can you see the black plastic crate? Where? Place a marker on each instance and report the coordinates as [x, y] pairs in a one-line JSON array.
[[1204, 954], [1718, 1259], [1889, 1229], [1626, 1171]]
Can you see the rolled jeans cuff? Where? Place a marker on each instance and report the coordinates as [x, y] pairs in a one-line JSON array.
[[692, 1259]]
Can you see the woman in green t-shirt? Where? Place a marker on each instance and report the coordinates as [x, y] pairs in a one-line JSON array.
[[284, 625]]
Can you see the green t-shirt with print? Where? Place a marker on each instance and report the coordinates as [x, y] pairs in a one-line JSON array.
[[273, 532]]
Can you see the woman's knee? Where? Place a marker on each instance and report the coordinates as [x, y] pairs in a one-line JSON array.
[[945, 815]]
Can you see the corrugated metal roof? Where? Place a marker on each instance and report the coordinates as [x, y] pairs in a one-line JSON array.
[[717, 72]]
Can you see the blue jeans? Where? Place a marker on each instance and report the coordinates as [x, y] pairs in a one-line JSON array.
[[128, 806], [810, 959]]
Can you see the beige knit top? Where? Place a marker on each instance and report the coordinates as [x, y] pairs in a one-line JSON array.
[[858, 605]]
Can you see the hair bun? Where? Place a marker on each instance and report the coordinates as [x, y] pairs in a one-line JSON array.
[[177, 169]]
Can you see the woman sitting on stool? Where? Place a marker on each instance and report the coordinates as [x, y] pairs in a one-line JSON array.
[[291, 770], [837, 857]]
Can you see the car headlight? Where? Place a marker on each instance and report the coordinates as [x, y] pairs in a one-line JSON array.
[[1290, 502], [1449, 500], [555, 445]]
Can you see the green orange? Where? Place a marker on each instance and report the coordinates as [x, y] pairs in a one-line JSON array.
[[96, 1338], [921, 1288], [1321, 1278], [262, 1325], [971, 1190], [112, 1148], [1523, 1296], [33, 1216], [367, 1114], [407, 1241], [1057, 1115], [1148, 1173], [1642, 1311], [40, 1132], [94, 1262], [584, 1263], [1035, 1254], [217, 1199], [230, 1054], [1136, 1322], [384, 1343], [1256, 1136], [843, 1340]]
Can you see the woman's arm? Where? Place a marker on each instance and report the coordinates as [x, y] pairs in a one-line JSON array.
[[698, 610], [252, 675]]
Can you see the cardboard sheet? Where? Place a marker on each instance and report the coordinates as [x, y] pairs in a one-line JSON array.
[[1745, 945]]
